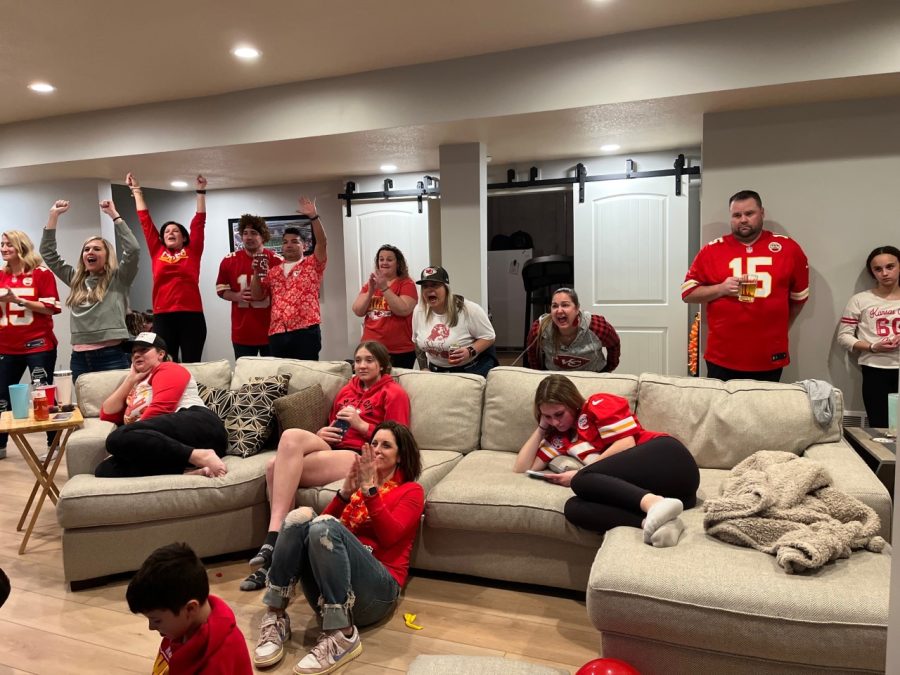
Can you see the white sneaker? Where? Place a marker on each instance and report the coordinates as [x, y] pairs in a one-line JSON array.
[[333, 650], [274, 631]]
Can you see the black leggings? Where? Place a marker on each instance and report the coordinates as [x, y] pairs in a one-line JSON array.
[[184, 333], [608, 493], [162, 445], [876, 385]]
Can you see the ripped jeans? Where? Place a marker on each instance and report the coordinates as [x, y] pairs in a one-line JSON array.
[[340, 577]]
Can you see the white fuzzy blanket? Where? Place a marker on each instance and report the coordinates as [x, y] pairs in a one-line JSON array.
[[785, 505]]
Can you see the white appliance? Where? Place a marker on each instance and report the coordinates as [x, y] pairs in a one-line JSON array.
[[506, 296]]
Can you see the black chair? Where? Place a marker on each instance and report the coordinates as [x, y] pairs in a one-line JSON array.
[[542, 277]]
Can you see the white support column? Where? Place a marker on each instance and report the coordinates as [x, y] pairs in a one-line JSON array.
[[463, 173]]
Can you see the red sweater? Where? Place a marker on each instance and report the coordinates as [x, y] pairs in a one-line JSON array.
[[176, 276], [217, 648], [384, 400], [391, 527]]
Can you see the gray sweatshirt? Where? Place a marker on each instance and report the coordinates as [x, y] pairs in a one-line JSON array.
[[104, 320]]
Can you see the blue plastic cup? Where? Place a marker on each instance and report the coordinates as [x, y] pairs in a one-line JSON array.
[[18, 396], [892, 412]]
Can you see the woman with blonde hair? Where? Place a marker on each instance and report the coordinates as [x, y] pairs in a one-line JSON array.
[[28, 301], [99, 297], [455, 334]]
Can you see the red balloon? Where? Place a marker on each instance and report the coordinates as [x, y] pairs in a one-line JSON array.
[[607, 667]]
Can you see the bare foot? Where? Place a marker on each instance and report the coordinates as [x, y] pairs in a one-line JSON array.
[[208, 459], [203, 471]]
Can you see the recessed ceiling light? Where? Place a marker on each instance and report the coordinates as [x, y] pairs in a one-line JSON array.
[[246, 53], [42, 87], [178, 184], [610, 147], [388, 167]]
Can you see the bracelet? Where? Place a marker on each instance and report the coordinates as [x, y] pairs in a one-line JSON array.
[[117, 218], [544, 429], [872, 347], [201, 192], [136, 189], [315, 217], [341, 496]]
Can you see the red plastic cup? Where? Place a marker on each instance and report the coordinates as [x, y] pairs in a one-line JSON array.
[[50, 391]]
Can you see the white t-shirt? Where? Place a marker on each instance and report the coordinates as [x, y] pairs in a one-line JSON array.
[[871, 319], [434, 336]]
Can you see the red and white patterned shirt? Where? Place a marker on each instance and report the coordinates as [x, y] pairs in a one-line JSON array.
[[750, 336], [295, 295]]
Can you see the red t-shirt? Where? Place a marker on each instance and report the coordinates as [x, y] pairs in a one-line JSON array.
[[751, 336], [176, 276], [21, 330], [604, 419], [295, 297], [382, 325], [249, 320]]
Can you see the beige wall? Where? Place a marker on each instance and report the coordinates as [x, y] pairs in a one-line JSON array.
[[828, 176]]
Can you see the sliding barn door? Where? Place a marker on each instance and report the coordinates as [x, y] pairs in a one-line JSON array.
[[631, 254]]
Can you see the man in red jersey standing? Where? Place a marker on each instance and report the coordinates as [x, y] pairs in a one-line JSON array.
[[748, 328]]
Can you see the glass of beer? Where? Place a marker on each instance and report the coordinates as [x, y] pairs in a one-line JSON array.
[[747, 289]]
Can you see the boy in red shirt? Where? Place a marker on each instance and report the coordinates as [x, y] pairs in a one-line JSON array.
[[199, 631]]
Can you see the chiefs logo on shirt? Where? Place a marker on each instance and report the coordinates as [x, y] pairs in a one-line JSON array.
[[568, 362], [582, 421]]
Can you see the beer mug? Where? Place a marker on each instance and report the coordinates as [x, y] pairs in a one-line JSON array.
[[747, 288]]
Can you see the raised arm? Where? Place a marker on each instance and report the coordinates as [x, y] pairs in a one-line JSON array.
[[201, 194], [308, 208], [132, 182], [131, 249], [48, 249]]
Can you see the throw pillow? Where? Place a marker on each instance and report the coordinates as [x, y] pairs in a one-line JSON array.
[[306, 409], [248, 412]]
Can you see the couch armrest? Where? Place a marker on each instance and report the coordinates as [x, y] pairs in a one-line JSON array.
[[87, 446], [852, 476]]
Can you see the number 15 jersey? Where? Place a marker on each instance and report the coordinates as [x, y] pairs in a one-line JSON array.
[[750, 336]]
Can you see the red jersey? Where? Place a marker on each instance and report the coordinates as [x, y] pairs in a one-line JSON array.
[[604, 419], [295, 296], [249, 320], [176, 276], [750, 336], [21, 330], [381, 325]]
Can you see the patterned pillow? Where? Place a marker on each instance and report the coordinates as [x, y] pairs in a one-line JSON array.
[[248, 413], [306, 409]]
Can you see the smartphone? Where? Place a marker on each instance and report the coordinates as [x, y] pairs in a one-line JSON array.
[[62, 417], [536, 474], [343, 425]]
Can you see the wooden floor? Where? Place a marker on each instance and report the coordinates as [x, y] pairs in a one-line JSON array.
[[45, 628]]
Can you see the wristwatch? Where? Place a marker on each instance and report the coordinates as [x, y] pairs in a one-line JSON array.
[[472, 351], [370, 491]]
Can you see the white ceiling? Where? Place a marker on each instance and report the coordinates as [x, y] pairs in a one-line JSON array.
[[102, 54]]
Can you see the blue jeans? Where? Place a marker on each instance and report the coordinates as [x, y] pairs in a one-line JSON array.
[[97, 360], [341, 579], [12, 366]]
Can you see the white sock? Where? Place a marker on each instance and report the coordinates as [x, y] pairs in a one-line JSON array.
[[668, 534], [661, 512]]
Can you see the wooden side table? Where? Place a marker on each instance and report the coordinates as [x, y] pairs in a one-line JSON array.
[[881, 456], [44, 479]]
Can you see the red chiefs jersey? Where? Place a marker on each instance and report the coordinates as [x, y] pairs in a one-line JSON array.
[[21, 330], [603, 420], [249, 320], [750, 336]]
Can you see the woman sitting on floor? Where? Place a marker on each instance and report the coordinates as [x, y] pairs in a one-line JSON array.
[[353, 560], [627, 469], [165, 427]]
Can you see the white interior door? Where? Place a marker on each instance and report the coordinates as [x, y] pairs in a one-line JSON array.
[[372, 224], [631, 253]]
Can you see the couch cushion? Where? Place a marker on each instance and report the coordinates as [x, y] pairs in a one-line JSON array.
[[305, 409], [509, 401], [723, 423], [86, 501], [445, 409], [482, 493], [713, 596], [86, 447], [216, 374], [331, 375], [435, 465]]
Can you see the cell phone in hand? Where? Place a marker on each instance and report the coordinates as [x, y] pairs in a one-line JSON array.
[[536, 474], [343, 425]]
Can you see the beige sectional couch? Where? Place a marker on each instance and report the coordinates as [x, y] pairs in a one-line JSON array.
[[702, 606]]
